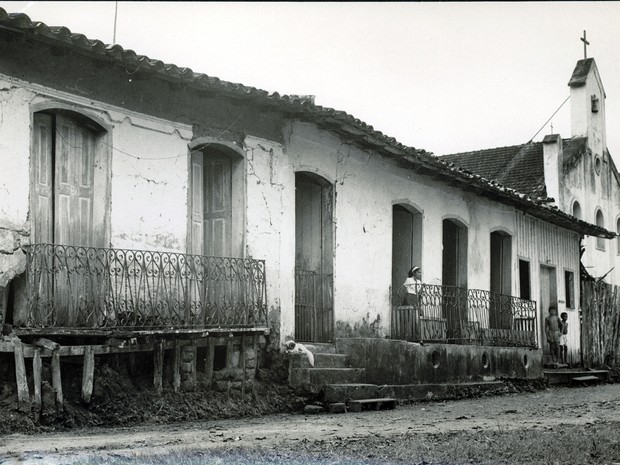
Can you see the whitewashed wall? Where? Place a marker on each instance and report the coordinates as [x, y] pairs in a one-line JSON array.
[[366, 187], [541, 243], [148, 196]]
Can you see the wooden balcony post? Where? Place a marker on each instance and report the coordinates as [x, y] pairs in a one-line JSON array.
[[36, 375], [57, 381], [23, 395], [176, 367], [88, 373], [158, 366]]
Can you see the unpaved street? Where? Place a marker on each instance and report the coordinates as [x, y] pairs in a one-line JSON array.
[[544, 410]]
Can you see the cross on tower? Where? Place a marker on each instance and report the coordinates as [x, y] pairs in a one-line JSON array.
[[585, 45]]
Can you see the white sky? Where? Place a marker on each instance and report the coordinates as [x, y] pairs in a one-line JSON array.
[[444, 77]]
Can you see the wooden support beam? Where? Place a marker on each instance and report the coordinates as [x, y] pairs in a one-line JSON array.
[[256, 339], [229, 352], [176, 368], [209, 362], [158, 366], [23, 395], [88, 374], [242, 362], [57, 381], [37, 366]]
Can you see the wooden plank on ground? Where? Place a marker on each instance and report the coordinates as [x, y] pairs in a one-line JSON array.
[[57, 381], [23, 395], [88, 374], [37, 366], [158, 366]]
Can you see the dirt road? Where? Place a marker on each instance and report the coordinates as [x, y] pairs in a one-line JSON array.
[[543, 410]]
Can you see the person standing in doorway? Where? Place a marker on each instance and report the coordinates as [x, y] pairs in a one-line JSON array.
[[553, 328], [564, 338]]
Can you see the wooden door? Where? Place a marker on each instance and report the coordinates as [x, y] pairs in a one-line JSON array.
[[548, 296], [500, 314], [217, 204], [313, 260], [74, 160], [402, 249], [62, 213]]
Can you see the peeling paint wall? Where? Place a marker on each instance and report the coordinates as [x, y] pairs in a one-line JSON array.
[[148, 197], [366, 187]]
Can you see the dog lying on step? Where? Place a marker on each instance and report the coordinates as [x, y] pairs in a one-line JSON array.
[[293, 347]]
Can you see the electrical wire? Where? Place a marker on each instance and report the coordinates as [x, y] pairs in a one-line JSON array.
[[543, 126]]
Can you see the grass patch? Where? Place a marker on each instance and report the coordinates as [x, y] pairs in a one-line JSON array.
[[591, 444]]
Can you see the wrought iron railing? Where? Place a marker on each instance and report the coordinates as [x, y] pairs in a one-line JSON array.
[[465, 316], [77, 287]]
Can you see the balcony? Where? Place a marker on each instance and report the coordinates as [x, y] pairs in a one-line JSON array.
[[99, 288], [447, 314]]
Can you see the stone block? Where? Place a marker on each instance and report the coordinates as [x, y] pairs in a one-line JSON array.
[[188, 354], [346, 392], [313, 409], [221, 386], [188, 367], [9, 241], [354, 408], [337, 407], [11, 265]]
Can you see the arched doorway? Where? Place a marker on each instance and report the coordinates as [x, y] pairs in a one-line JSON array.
[[216, 202], [66, 148], [454, 276], [500, 315], [314, 313], [406, 245]]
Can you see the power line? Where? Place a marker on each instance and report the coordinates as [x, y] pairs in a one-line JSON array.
[[543, 126]]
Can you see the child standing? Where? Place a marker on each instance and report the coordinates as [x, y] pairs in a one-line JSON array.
[[553, 328], [564, 338]]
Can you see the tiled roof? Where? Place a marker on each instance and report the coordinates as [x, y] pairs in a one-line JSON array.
[[303, 107], [519, 167]]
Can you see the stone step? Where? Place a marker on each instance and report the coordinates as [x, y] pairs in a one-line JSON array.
[[381, 403], [565, 376], [323, 376], [589, 379], [320, 347], [345, 392], [321, 361], [437, 391]]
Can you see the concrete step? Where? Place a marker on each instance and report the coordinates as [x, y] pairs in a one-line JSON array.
[[381, 403], [345, 392], [321, 361], [323, 376], [437, 391], [565, 376], [583, 380], [320, 347]]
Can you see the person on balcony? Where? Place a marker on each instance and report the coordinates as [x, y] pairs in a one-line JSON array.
[[413, 286]]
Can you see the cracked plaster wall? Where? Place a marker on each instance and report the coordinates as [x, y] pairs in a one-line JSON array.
[[149, 195], [145, 194], [14, 183], [366, 186]]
